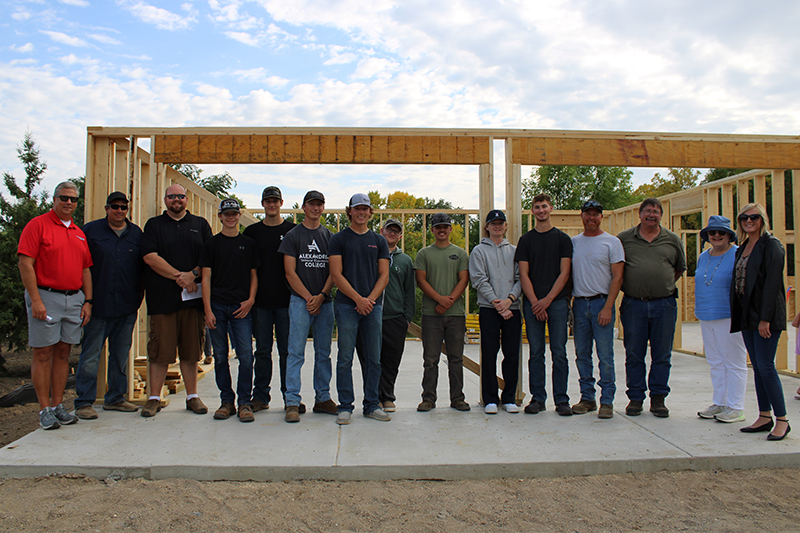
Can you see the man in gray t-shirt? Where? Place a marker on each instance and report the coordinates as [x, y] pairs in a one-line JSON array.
[[305, 250]]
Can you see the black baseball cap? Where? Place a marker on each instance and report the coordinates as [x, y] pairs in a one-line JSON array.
[[228, 204], [271, 192], [116, 195], [495, 214], [591, 204], [314, 195], [393, 222], [441, 219]]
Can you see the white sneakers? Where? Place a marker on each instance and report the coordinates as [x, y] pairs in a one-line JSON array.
[[491, 408], [730, 415], [711, 411], [511, 408]]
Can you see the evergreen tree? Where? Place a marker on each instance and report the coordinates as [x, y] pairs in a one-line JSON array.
[[14, 215]]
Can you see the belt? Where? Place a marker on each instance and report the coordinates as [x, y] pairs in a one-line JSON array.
[[59, 291], [595, 297], [648, 299]]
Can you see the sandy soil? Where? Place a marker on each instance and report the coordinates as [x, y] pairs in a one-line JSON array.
[[751, 500]]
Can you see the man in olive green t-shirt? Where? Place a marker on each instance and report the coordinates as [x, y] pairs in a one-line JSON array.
[[442, 272]]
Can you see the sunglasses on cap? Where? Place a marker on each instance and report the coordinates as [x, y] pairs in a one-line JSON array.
[[751, 218], [65, 198]]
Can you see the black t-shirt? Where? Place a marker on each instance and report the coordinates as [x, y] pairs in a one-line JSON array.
[[273, 290], [544, 252], [360, 254], [179, 243], [230, 259]]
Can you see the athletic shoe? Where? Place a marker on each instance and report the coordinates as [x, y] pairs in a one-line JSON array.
[[730, 415], [510, 408], [378, 414], [48, 420], [343, 418], [711, 411], [86, 412], [65, 418], [490, 409]]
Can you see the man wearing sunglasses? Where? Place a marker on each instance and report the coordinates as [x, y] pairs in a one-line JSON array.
[[54, 263], [115, 244], [171, 246], [654, 261]]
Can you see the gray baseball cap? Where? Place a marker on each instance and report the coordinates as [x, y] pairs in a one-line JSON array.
[[441, 219], [360, 198], [392, 222]]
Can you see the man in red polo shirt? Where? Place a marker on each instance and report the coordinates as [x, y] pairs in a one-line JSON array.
[[54, 263]]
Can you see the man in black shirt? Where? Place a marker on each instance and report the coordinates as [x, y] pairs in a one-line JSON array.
[[171, 245], [271, 310]]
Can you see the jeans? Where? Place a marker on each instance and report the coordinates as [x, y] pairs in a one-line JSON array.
[[348, 321], [557, 316], [769, 391], [497, 331], [586, 329], [242, 338], [450, 330], [300, 322], [118, 331], [642, 321], [264, 320], [393, 342]]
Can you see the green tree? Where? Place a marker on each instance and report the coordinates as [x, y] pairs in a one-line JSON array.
[[677, 179], [570, 186], [714, 174], [219, 185], [14, 215]]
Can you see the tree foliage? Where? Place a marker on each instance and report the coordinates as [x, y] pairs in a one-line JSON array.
[[25, 204], [677, 179], [570, 186], [219, 185]]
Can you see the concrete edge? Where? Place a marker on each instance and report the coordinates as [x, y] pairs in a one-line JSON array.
[[412, 472]]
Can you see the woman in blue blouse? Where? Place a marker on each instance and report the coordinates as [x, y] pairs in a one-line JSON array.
[[725, 351]]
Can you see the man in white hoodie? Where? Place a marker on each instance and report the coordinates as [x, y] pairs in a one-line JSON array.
[[495, 276]]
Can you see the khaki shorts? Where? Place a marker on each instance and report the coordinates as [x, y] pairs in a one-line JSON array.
[[180, 332], [63, 321]]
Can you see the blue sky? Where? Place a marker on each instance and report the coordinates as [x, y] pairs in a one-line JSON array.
[[636, 65]]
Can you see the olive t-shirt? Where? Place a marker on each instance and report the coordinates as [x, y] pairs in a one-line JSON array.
[[442, 266]]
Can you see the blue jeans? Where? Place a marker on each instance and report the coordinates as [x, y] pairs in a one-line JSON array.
[[557, 316], [299, 324], [242, 338], [118, 331], [586, 329], [348, 321], [264, 320], [652, 321], [769, 391]]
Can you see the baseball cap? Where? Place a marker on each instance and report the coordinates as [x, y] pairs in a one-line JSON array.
[[271, 192], [591, 204], [441, 219], [313, 195], [116, 196], [228, 204], [495, 214], [392, 222], [359, 198]]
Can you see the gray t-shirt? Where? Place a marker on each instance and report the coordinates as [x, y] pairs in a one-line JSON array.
[[592, 258], [310, 248]]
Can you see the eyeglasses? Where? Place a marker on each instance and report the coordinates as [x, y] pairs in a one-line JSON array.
[[178, 196], [714, 232], [392, 230], [651, 212], [751, 218], [65, 198], [117, 207]]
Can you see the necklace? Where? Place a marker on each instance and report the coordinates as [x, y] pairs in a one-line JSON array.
[[705, 276]]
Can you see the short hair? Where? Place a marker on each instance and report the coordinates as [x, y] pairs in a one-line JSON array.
[[178, 184], [64, 185], [543, 197], [655, 202], [740, 234]]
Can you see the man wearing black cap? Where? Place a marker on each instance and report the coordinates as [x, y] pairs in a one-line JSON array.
[[305, 258], [271, 311], [442, 272], [114, 242], [598, 261]]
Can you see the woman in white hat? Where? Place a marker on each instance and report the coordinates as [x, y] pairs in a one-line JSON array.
[[725, 351]]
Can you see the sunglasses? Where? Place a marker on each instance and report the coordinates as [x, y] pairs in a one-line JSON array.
[[715, 232], [117, 207], [178, 196], [751, 218], [65, 198]]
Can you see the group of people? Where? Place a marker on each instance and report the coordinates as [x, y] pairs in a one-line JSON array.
[[273, 282]]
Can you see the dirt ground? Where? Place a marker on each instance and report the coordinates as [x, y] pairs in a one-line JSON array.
[[726, 501]]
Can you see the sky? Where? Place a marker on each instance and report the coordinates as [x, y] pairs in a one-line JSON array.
[[630, 65]]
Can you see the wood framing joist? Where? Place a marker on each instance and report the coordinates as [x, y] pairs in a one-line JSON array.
[[657, 150], [331, 149]]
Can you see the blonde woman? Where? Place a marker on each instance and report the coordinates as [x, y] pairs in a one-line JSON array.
[[758, 310]]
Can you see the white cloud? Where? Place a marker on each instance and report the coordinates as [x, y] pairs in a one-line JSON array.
[[63, 38], [104, 39], [77, 3], [158, 17], [23, 49]]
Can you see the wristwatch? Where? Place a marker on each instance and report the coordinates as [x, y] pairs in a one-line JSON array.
[[196, 273], [89, 301]]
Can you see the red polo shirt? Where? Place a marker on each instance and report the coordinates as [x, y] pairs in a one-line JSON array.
[[60, 252]]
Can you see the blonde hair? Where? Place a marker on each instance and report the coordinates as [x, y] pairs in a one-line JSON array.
[[740, 234]]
